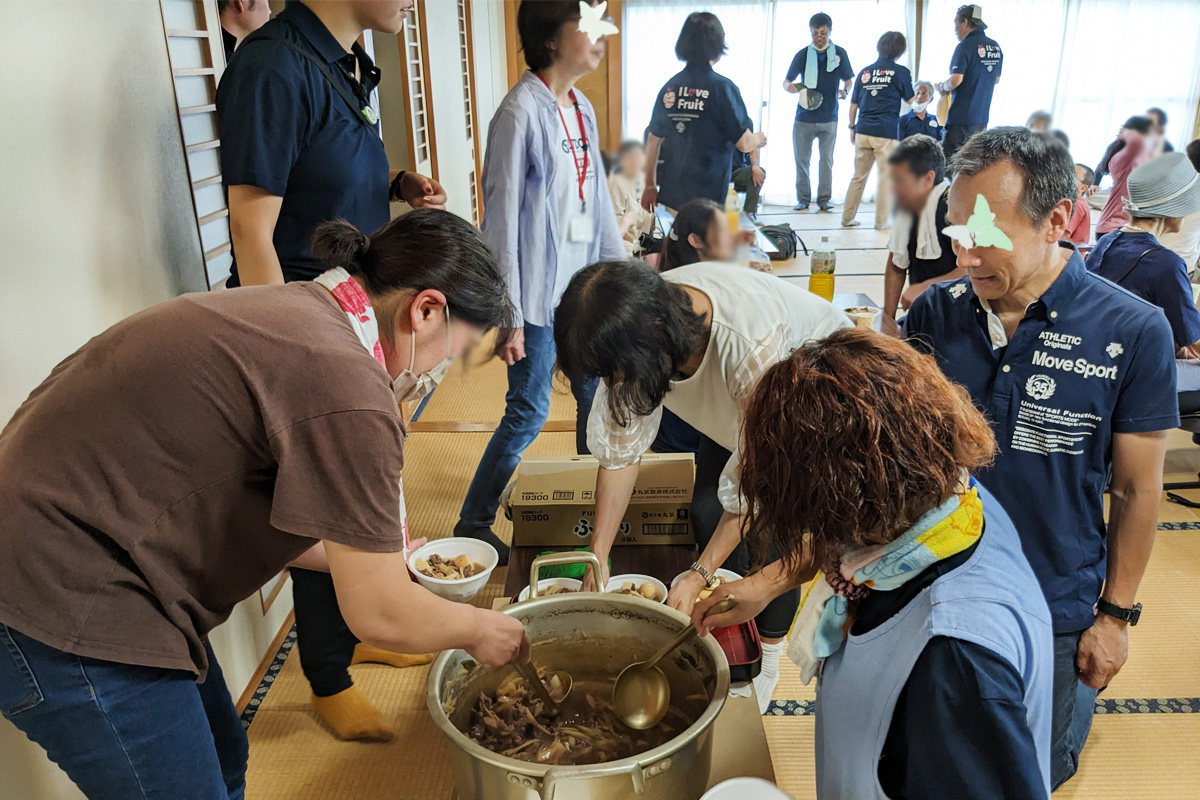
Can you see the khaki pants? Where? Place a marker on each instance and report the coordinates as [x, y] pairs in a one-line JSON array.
[[870, 150]]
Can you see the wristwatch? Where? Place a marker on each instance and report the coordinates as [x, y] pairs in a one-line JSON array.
[[1130, 615], [702, 572]]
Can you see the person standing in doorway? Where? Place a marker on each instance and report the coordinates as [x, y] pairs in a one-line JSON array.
[[699, 116], [239, 19], [548, 217], [821, 67], [300, 146], [974, 72], [875, 124], [919, 120]]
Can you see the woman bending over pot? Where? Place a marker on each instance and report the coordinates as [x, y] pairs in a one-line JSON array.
[[925, 623]]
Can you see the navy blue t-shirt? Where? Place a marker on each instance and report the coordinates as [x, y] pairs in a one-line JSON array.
[[1088, 360], [700, 116], [911, 125], [286, 129], [1160, 277], [827, 83], [879, 91], [979, 60], [957, 695]]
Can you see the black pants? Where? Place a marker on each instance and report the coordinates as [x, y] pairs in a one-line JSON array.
[[956, 137], [776, 618], [743, 181], [323, 639]]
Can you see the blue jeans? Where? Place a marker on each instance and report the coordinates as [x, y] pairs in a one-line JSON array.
[[1074, 704], [527, 406], [122, 731]]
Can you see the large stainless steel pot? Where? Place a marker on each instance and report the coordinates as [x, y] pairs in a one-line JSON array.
[[585, 633]]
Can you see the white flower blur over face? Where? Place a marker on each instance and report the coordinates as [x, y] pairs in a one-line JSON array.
[[593, 23]]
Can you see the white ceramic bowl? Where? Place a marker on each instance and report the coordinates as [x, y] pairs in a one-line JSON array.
[[463, 589], [545, 583], [616, 581], [738, 788], [726, 575]]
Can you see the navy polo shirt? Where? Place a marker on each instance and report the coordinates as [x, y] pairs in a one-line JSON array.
[[912, 125], [879, 91], [979, 60], [286, 129], [827, 83], [1087, 361], [700, 116], [1160, 277]]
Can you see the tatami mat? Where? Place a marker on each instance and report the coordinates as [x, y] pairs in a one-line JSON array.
[[1144, 741]]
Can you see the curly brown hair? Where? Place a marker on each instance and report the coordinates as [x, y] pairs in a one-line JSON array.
[[851, 440]]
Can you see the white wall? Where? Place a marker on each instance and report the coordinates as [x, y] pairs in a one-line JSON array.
[[96, 223]]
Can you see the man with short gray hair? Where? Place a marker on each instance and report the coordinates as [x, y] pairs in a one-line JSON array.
[[1078, 379]]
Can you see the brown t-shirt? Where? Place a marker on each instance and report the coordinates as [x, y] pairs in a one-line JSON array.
[[178, 460]]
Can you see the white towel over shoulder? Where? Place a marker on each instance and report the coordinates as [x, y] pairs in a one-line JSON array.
[[928, 248]]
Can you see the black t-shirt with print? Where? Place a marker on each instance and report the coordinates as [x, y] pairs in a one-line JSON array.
[[700, 116]]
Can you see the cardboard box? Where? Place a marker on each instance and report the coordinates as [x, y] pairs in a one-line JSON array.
[[553, 501]]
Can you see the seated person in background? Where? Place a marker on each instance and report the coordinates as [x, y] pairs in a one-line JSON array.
[[748, 177], [933, 639], [918, 250], [919, 120], [700, 233], [1161, 193], [1186, 241], [1062, 137], [1079, 229], [625, 186], [1039, 122]]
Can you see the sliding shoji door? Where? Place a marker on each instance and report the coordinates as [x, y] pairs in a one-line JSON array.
[[193, 32]]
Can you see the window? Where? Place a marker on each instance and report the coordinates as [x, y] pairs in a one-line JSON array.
[[1073, 58]]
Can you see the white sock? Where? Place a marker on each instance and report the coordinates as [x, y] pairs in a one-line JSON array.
[[768, 676]]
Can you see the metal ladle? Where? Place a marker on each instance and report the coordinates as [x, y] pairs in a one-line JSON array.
[[529, 674], [642, 693]]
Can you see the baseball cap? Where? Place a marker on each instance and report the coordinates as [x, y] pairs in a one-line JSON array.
[[974, 13]]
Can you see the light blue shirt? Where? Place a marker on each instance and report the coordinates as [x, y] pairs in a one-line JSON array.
[[520, 220]]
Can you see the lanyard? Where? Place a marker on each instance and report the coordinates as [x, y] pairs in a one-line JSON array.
[[580, 173]]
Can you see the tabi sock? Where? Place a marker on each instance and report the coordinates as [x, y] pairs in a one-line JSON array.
[[366, 654], [352, 716], [768, 676]]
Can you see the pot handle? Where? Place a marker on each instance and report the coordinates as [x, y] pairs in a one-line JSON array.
[[554, 559], [638, 774]]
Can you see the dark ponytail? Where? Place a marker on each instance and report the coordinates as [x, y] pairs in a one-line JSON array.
[[695, 216], [423, 249], [340, 244]]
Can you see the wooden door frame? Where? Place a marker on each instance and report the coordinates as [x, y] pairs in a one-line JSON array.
[[516, 63]]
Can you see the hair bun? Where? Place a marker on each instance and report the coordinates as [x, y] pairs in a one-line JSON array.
[[340, 244]]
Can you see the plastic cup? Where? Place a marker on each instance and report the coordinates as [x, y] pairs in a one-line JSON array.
[[863, 316]]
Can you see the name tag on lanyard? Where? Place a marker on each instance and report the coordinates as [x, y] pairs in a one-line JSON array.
[[580, 229]]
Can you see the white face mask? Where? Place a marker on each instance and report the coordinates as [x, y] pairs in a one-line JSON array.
[[919, 107], [409, 387]]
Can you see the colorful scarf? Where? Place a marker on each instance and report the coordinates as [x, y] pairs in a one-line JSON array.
[[810, 64], [825, 616]]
